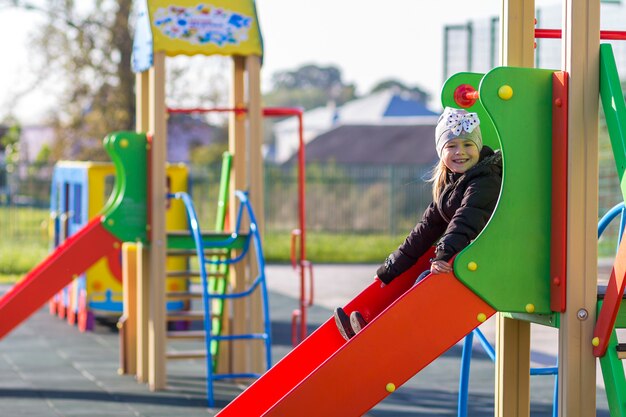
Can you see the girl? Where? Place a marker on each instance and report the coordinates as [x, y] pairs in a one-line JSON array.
[[466, 184]]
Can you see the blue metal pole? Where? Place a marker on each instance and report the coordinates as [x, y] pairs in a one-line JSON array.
[[466, 359]]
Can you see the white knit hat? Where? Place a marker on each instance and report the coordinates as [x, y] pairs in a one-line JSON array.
[[457, 123]]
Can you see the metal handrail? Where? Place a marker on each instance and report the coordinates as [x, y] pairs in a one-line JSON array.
[[207, 296]]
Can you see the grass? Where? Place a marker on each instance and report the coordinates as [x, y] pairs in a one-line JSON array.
[[332, 248], [26, 245], [17, 258], [23, 240]]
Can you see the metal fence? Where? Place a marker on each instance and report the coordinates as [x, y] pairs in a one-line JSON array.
[[386, 200], [348, 198], [339, 199]]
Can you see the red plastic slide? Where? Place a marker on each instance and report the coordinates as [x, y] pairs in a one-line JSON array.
[[408, 328], [70, 259]]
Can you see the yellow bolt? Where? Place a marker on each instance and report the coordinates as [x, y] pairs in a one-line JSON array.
[[530, 308], [472, 266], [110, 222], [595, 341], [390, 387], [481, 317], [124, 143], [116, 245], [505, 92]]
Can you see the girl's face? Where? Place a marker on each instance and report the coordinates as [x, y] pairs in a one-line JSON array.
[[459, 155]]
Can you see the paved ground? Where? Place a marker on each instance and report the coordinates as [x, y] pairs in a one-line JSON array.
[[48, 368]]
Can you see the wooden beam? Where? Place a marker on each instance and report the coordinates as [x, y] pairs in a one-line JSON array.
[[577, 365], [512, 394], [156, 203], [142, 101], [128, 322], [142, 124], [143, 303], [255, 145], [517, 33], [238, 146]]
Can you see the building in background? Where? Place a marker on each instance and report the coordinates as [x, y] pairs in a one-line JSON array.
[[33, 139], [375, 145], [186, 133], [388, 114]]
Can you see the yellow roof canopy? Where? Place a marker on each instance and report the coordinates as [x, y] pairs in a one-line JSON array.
[[190, 27]]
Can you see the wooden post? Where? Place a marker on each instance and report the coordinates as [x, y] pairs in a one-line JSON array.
[[512, 380], [143, 303], [142, 102], [128, 322], [577, 365], [255, 144], [238, 358], [157, 192], [142, 122]]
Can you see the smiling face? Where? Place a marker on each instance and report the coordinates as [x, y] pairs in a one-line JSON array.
[[459, 155]]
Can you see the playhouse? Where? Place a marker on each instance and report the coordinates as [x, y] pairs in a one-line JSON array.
[[78, 193]]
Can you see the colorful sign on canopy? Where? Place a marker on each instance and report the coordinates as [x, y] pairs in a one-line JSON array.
[[225, 27]]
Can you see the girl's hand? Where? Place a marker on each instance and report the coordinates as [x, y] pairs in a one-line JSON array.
[[440, 267], [382, 284]]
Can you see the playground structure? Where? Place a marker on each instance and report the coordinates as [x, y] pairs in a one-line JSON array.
[[186, 28], [134, 218], [536, 261]]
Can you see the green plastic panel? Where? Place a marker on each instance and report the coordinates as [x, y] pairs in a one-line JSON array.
[[512, 254], [620, 320], [614, 378], [614, 108], [125, 213], [219, 284], [487, 129], [549, 320], [210, 240], [222, 197]]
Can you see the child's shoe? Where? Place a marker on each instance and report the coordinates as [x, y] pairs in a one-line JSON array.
[[357, 321], [343, 323]]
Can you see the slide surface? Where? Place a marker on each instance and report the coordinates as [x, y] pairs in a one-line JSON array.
[[409, 328], [69, 260]]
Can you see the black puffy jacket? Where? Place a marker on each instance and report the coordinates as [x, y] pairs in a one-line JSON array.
[[463, 210]]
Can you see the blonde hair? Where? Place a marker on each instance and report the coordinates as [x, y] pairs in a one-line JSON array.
[[439, 178]]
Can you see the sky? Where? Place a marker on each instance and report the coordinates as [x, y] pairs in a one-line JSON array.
[[369, 41]]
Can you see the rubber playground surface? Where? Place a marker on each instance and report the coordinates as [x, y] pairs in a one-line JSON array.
[[48, 368]]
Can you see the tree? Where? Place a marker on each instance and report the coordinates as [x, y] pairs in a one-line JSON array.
[[89, 48], [415, 92], [10, 141], [308, 87]]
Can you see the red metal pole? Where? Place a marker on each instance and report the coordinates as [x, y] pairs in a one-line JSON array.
[[301, 206], [611, 35], [206, 110], [280, 112]]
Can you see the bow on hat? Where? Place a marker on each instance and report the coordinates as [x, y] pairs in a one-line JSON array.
[[457, 123]]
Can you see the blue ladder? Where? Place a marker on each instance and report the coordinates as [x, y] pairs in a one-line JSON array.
[[208, 296]]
